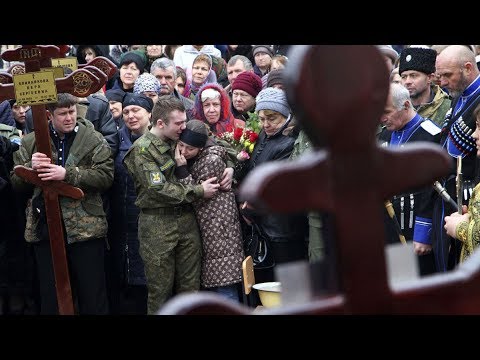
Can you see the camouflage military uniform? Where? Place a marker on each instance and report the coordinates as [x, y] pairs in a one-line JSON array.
[[89, 166], [167, 228], [11, 133], [315, 238]]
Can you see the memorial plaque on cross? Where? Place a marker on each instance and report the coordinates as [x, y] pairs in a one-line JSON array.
[[80, 83]]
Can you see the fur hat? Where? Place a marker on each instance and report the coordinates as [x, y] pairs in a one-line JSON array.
[[275, 77], [418, 59], [262, 48], [273, 99], [146, 82], [136, 56], [139, 100], [249, 82]]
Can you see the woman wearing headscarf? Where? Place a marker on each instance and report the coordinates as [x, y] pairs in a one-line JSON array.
[[200, 73], [212, 106]]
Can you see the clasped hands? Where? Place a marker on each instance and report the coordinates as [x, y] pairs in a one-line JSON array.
[[45, 169]]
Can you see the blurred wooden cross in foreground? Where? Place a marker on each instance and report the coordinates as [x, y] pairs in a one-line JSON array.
[[80, 83], [338, 93]]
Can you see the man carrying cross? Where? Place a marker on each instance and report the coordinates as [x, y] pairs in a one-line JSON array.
[[81, 158]]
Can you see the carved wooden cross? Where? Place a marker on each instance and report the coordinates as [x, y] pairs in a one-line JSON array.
[[80, 83], [338, 93]]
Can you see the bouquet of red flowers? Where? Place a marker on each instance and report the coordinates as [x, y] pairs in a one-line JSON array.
[[242, 140]]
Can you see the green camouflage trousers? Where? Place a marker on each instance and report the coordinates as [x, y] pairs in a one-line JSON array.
[[316, 250], [170, 246]]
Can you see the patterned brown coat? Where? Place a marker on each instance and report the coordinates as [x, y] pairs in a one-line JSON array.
[[219, 222]]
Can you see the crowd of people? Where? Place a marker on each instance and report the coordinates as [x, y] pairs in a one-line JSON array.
[[162, 149], [150, 150]]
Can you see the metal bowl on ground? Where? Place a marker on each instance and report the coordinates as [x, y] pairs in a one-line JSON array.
[[270, 293]]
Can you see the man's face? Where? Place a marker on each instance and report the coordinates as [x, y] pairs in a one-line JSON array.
[[175, 126], [392, 117], [64, 119], [166, 79], [451, 76], [235, 70], [416, 82]]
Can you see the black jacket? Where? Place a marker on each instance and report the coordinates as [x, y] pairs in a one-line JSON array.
[[279, 227]]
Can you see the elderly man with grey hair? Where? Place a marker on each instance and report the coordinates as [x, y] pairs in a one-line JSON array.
[[414, 208], [165, 71]]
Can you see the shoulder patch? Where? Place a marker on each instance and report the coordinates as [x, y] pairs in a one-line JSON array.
[[156, 177], [167, 165], [430, 127], [143, 144]]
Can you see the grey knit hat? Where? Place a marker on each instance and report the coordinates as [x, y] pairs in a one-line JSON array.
[[273, 99]]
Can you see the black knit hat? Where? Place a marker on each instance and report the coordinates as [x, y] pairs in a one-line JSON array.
[[136, 56], [138, 100], [115, 95], [418, 59]]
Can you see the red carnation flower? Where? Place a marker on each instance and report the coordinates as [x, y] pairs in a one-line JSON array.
[[252, 137], [237, 134]]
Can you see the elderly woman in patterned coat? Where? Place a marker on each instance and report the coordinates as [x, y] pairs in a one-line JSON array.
[[199, 159]]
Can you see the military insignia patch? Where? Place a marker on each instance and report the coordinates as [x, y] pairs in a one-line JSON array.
[[167, 165], [156, 177]]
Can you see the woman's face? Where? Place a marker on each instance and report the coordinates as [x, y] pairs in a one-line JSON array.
[[128, 74], [271, 122], [136, 119], [89, 54], [115, 108], [187, 150], [212, 109], [180, 85], [276, 65], [200, 71], [154, 50], [19, 113], [152, 95]]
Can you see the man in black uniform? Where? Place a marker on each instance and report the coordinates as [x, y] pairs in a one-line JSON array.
[[414, 208]]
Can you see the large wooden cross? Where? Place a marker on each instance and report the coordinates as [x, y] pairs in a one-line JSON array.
[[338, 93], [80, 83]]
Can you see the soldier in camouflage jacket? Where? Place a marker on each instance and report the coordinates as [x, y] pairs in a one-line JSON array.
[[167, 228]]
